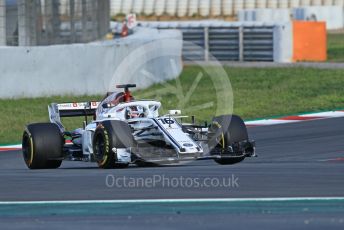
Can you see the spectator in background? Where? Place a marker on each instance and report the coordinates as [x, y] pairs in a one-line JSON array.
[[125, 29]]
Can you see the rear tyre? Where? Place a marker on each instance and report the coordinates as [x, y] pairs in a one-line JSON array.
[[42, 146], [228, 129], [109, 135]]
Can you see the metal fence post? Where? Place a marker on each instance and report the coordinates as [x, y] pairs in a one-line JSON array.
[[27, 23], [3, 23], [241, 43], [206, 43], [72, 20], [84, 36], [94, 9], [38, 21], [107, 15], [103, 26]]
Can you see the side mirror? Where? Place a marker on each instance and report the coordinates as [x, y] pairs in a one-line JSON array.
[[106, 105], [174, 112]]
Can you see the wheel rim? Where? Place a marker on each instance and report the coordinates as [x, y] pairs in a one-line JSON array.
[[27, 149]]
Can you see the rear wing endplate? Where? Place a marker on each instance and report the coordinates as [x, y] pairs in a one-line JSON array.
[[77, 109]]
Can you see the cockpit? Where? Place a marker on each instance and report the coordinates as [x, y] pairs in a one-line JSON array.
[[122, 105]]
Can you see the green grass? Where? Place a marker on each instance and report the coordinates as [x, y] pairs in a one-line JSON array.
[[335, 47], [257, 93]]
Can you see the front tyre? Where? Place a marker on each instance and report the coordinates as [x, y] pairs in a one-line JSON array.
[[109, 136], [42, 146], [228, 130]]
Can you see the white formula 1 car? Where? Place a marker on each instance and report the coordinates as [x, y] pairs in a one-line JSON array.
[[126, 131]]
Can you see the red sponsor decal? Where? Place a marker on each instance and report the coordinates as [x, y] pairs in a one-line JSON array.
[[298, 118], [9, 149]]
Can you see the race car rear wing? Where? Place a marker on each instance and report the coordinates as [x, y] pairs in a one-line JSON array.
[[78, 109]]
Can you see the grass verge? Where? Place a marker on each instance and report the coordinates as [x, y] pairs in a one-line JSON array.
[[257, 93], [335, 47]]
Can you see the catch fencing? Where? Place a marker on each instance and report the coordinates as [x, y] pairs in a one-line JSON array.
[[47, 22]]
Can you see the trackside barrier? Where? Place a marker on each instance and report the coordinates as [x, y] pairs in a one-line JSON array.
[[232, 41], [250, 41], [92, 68]]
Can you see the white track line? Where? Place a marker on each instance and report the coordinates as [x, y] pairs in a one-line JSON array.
[[201, 200], [269, 122], [11, 146], [329, 114]]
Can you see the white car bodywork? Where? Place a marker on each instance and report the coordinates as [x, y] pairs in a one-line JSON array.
[[143, 118]]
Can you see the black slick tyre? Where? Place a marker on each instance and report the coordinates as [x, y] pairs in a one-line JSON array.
[[42, 146], [111, 135]]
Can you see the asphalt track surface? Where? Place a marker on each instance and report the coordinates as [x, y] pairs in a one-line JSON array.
[[303, 159]]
